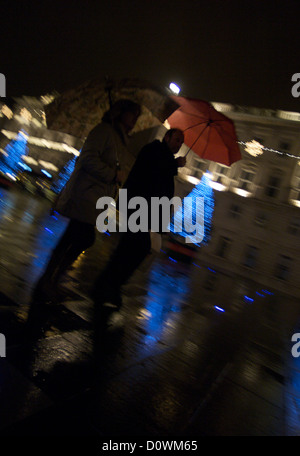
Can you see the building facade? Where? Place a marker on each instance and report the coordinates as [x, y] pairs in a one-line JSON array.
[[256, 222]]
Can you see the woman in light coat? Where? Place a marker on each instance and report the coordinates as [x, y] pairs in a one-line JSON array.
[[97, 173]]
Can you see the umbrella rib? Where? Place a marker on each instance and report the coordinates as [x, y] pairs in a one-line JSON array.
[[206, 145], [196, 125], [196, 139]]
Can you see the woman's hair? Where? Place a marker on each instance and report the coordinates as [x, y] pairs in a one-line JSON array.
[[119, 108]]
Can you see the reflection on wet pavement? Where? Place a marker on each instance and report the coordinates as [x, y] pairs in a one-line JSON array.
[[192, 352]]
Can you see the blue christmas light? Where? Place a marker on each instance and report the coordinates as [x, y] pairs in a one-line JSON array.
[[64, 175], [46, 173], [202, 189], [11, 162], [220, 309]]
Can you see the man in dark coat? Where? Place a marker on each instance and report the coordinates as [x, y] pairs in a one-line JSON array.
[[152, 175]]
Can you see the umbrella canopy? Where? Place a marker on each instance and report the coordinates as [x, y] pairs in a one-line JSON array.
[[207, 132], [78, 110]]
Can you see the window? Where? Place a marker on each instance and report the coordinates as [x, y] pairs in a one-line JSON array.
[[235, 211], [283, 267], [220, 172], [251, 256], [273, 186], [223, 246], [246, 179], [294, 227], [198, 167], [261, 219], [296, 186]]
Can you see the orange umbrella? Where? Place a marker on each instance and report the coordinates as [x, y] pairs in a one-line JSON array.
[[207, 132]]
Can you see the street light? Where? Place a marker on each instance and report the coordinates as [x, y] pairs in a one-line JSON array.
[[174, 88]]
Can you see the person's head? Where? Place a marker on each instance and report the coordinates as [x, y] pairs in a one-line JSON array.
[[174, 138], [125, 112]]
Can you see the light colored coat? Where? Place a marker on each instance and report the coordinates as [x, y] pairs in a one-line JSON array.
[[94, 174]]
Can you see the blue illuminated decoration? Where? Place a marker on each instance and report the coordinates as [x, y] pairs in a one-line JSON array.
[[267, 292], [11, 162], [167, 288], [202, 189], [25, 167], [64, 175], [46, 173], [219, 309], [248, 299], [172, 259]]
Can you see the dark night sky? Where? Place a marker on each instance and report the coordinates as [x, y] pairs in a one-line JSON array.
[[242, 52]]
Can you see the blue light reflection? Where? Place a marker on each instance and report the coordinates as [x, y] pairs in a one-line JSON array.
[[167, 288]]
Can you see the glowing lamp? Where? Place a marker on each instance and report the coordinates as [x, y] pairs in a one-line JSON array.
[[174, 88]]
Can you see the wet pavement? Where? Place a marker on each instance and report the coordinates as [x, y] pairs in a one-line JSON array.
[[184, 358]]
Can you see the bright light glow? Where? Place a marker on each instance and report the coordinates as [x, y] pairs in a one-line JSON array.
[[7, 111], [219, 309], [289, 115], [44, 143], [174, 88], [11, 176], [46, 173], [191, 179], [48, 165], [222, 107], [217, 186], [15, 150], [30, 160], [166, 124], [241, 192], [254, 148], [295, 202], [26, 114], [24, 166]]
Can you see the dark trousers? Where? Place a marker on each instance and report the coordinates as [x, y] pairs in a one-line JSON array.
[[129, 254], [77, 237]]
